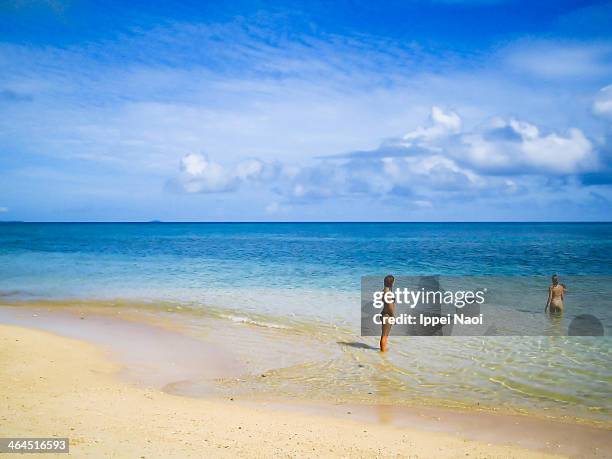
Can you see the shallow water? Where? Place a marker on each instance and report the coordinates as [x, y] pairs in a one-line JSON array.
[[303, 281]]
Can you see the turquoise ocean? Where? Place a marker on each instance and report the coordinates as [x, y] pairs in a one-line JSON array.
[[304, 278]]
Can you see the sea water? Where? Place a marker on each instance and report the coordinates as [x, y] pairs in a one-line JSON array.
[[305, 278]]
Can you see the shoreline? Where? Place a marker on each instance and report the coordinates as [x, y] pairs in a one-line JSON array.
[[298, 360], [535, 433], [80, 397]]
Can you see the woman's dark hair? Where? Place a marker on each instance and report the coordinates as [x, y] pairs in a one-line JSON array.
[[555, 279], [389, 281]]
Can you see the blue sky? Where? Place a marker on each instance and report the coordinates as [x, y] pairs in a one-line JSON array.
[[263, 111]]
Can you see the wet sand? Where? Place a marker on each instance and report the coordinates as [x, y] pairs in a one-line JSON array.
[[122, 376]]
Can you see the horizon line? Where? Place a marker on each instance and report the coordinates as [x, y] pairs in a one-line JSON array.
[[294, 221]]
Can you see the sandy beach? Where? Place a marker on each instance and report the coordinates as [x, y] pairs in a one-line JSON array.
[[58, 386], [54, 386]]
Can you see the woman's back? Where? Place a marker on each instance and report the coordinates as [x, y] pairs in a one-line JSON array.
[[556, 297]]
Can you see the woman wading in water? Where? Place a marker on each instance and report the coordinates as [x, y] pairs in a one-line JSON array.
[[388, 311], [556, 293]]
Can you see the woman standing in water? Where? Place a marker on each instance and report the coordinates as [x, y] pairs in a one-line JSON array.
[[388, 311], [555, 296]]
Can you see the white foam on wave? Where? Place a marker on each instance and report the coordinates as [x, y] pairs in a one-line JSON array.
[[249, 321]]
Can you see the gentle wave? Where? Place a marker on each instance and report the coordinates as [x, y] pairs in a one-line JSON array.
[[247, 320]]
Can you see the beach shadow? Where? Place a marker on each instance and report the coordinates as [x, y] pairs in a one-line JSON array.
[[357, 345]]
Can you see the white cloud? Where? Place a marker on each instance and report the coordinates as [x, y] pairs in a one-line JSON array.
[[251, 168], [4, 209], [442, 123], [429, 164], [603, 102], [555, 153], [518, 147], [194, 164], [199, 175], [426, 173]]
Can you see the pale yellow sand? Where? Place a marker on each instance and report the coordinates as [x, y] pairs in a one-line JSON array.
[[54, 386]]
